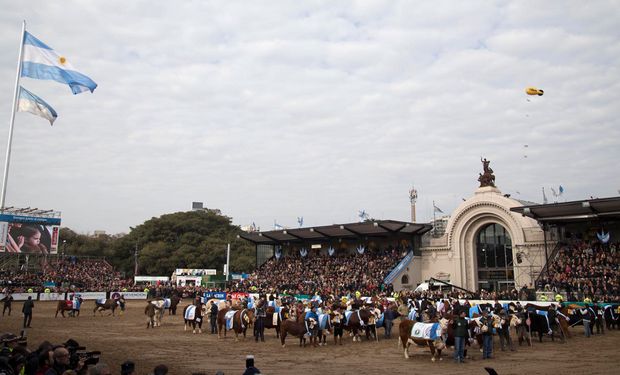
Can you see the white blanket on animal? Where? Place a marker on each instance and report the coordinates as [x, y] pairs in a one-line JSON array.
[[429, 331], [100, 301], [274, 318], [190, 313], [229, 318]]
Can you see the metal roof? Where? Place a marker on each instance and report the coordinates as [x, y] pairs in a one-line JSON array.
[[607, 209], [376, 228]]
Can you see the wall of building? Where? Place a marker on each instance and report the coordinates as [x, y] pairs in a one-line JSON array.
[[453, 255]]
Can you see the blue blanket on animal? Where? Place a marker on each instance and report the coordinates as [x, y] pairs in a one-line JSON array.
[[166, 303], [190, 313], [323, 321], [474, 310], [100, 301], [347, 314], [229, 319]]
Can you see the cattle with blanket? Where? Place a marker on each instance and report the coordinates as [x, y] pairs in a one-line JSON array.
[[236, 320], [423, 334], [611, 316], [194, 315], [300, 329], [547, 320]]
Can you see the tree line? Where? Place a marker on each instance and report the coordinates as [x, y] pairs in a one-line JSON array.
[[193, 239]]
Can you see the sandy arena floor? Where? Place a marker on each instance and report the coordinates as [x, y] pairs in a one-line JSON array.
[[125, 337]]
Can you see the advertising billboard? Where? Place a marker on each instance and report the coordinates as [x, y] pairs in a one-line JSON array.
[[194, 272], [29, 234]]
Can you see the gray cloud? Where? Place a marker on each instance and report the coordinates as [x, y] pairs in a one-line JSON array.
[[282, 109]]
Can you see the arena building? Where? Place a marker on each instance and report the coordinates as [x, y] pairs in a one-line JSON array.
[[491, 241]]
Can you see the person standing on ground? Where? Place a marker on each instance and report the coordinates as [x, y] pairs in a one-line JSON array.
[[213, 317], [460, 326], [388, 319], [8, 300], [487, 335], [27, 310]]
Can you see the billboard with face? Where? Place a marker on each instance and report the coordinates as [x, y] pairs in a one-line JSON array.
[[29, 234]]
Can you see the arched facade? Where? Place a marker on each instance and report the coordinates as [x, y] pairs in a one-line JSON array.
[[452, 257]]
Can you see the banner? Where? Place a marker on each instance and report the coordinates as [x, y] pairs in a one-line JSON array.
[[195, 272], [93, 295], [22, 296], [128, 295], [51, 296], [214, 295]]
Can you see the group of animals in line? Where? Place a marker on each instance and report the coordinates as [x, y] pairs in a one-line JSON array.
[[292, 322]]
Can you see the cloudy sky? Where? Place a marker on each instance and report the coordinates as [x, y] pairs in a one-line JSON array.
[[270, 110]]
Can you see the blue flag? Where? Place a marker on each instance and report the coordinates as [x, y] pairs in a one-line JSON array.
[[41, 62]]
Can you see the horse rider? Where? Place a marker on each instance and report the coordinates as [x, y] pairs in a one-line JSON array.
[[261, 314]]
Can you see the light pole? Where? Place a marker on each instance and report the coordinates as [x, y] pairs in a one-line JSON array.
[[64, 248]]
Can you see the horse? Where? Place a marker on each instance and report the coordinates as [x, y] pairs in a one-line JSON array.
[[108, 304], [297, 329], [154, 311], [434, 340], [70, 306], [193, 316], [241, 319], [356, 321]]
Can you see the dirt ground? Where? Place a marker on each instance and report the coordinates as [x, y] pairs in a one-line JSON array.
[[125, 337]]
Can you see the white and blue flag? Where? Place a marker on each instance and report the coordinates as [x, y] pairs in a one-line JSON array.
[[41, 62], [29, 102]]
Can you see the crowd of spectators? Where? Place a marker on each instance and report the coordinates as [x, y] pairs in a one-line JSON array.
[[62, 274], [324, 274], [585, 269]]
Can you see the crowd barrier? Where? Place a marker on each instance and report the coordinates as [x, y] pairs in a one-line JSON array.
[[85, 295]]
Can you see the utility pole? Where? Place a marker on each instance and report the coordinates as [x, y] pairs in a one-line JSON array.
[[135, 259], [227, 262]]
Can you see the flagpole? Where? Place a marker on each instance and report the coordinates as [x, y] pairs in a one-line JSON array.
[[13, 110], [434, 219]]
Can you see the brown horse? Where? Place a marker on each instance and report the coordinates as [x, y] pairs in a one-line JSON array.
[[241, 320], [297, 329], [63, 306], [109, 304], [435, 345]]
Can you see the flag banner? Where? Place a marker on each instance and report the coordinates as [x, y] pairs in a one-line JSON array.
[[437, 209], [29, 102], [41, 62]]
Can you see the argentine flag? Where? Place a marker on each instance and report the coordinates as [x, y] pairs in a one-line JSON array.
[[29, 102], [41, 62]]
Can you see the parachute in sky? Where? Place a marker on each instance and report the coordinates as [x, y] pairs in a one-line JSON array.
[[534, 91]]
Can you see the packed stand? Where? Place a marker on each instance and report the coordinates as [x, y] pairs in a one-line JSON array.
[[324, 274], [585, 270], [86, 274]]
